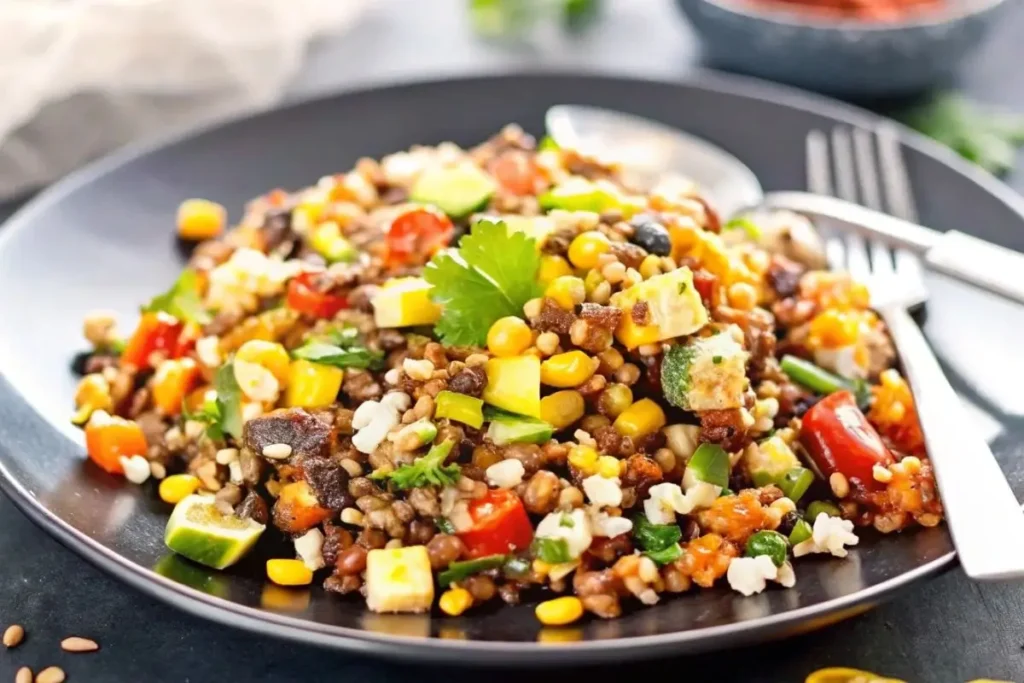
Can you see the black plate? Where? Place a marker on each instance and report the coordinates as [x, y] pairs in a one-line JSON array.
[[103, 238]]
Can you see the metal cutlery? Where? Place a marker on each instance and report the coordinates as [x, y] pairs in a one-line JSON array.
[[980, 508]]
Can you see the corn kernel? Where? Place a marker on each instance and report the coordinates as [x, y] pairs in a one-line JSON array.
[[560, 611], [833, 329], [289, 573], [200, 219], [640, 419], [509, 336], [586, 248], [311, 385], [176, 487], [742, 296], [584, 458], [93, 391], [912, 464], [552, 267], [567, 291], [569, 369], [650, 266], [562, 408], [592, 280], [608, 466], [455, 601], [269, 355]]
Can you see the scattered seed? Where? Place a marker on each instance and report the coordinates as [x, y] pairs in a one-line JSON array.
[[24, 675], [13, 636], [51, 674], [76, 644]]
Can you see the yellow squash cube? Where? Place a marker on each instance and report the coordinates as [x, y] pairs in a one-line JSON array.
[[405, 302], [311, 385], [674, 309], [399, 580], [513, 384]]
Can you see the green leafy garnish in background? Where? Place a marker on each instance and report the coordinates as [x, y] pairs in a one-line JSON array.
[[985, 136], [426, 471], [222, 415], [339, 357], [181, 301], [491, 275]]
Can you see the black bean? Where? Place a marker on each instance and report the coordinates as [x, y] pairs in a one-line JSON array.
[[788, 522], [653, 237]]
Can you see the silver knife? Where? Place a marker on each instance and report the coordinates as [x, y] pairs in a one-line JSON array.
[[961, 256]]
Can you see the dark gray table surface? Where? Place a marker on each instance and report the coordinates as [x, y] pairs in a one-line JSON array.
[[946, 630]]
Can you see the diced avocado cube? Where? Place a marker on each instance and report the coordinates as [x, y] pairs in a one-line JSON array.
[[770, 461], [405, 302], [399, 580], [456, 190], [506, 428], [706, 374], [580, 194], [513, 384], [674, 309]]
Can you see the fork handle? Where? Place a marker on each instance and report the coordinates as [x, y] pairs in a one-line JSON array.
[[980, 508], [974, 260]]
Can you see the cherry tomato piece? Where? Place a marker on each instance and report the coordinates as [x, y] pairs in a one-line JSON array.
[[417, 235], [839, 439], [309, 293], [500, 525], [156, 332]]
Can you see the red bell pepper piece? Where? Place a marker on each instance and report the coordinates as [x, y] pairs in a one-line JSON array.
[[840, 439], [310, 293], [500, 525], [417, 235], [156, 332]]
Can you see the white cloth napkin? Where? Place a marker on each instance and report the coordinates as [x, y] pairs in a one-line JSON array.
[[82, 77]]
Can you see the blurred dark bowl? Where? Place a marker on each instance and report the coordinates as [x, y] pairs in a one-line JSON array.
[[844, 57]]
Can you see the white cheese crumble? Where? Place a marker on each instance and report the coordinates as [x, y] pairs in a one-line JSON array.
[[786, 577], [309, 547], [136, 468], [666, 500], [699, 494], [256, 382], [238, 283], [602, 491], [830, 535], [374, 419], [603, 524], [208, 351], [749, 575], [842, 361], [573, 527], [506, 474]]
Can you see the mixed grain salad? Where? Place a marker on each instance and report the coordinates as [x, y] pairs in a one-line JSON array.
[[453, 376]]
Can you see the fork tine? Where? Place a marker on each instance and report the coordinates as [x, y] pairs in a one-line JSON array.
[[899, 196], [867, 174], [819, 181], [857, 261]]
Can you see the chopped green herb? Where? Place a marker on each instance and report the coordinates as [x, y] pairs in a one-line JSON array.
[[489, 276], [717, 360], [339, 357], [517, 567], [821, 381], [666, 556], [551, 550], [181, 300], [982, 135], [683, 286], [444, 525], [425, 471], [566, 521], [229, 401], [457, 571], [770, 543]]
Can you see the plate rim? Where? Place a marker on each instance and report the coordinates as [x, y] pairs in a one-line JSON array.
[[279, 625]]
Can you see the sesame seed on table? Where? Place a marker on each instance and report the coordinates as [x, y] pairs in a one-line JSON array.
[[946, 629]]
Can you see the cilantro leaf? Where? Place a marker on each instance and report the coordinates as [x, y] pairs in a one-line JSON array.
[[208, 414], [551, 550], [491, 275], [339, 357], [229, 401], [181, 301], [660, 542], [666, 556], [426, 471]]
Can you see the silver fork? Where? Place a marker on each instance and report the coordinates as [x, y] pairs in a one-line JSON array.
[[980, 508]]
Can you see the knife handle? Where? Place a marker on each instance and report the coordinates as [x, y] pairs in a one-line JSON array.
[[980, 263]]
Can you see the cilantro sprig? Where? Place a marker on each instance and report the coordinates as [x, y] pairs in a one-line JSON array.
[[426, 471], [491, 274], [329, 354], [181, 301], [222, 415]]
